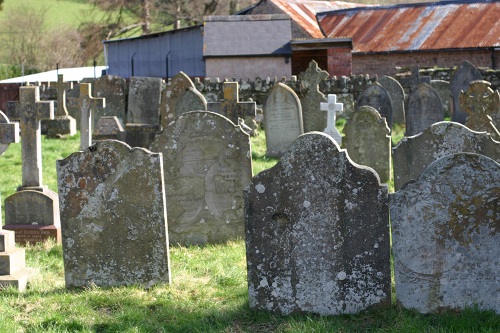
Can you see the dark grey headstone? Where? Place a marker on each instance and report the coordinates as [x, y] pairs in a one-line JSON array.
[[397, 94], [460, 80], [314, 119], [378, 98], [424, 109]]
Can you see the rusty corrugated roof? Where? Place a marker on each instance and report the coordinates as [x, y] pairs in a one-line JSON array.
[[413, 27], [303, 12]]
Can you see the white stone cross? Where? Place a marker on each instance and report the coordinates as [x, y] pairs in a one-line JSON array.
[[87, 104], [332, 107]]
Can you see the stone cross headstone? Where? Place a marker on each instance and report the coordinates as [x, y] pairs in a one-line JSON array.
[[314, 119], [481, 103], [397, 94], [445, 236], [460, 80], [113, 214], [332, 108], [9, 132], [207, 163], [317, 233], [283, 119], [180, 96], [414, 154], [424, 109], [87, 105], [231, 107], [368, 141], [378, 98], [63, 123], [109, 128], [33, 211]]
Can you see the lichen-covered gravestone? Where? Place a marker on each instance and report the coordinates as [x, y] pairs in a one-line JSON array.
[[378, 98], [460, 80], [368, 141], [397, 94], [414, 154], [317, 233], [314, 119], [114, 89], [445, 236], [424, 109], [283, 119], [113, 214], [207, 163]]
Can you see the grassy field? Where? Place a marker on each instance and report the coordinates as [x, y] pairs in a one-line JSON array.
[[208, 291]]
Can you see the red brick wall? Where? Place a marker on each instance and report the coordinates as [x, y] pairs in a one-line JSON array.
[[385, 64], [301, 60], [339, 61]]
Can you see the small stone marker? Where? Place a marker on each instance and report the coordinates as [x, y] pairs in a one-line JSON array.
[[397, 94], [283, 119], [332, 107], [33, 211], [460, 80], [377, 97], [109, 128], [87, 105], [368, 141], [314, 119], [113, 214], [231, 107], [207, 163], [63, 123], [424, 109], [445, 236], [9, 132], [414, 154], [481, 103], [317, 233]]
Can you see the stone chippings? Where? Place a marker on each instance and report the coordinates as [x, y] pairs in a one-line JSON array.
[[113, 213], [317, 234], [445, 235]]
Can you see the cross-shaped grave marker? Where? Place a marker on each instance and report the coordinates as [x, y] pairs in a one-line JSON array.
[[63, 123], [231, 107], [9, 132], [87, 105], [61, 95], [332, 107]]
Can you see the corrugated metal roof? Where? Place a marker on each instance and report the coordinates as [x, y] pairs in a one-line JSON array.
[[303, 12], [414, 27]]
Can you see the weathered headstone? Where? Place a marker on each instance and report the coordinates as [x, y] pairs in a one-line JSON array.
[[207, 163], [377, 97], [180, 96], [87, 105], [313, 118], [9, 132], [368, 141], [332, 108], [414, 154], [397, 94], [143, 117], [415, 79], [445, 236], [460, 80], [113, 214], [283, 119], [63, 124], [424, 109], [114, 89], [109, 128], [444, 91], [481, 103], [33, 211], [231, 107], [317, 233]]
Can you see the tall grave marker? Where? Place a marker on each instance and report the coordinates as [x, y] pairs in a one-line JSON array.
[[424, 109], [87, 105], [63, 123], [377, 97], [314, 119], [397, 94], [231, 107], [332, 108], [460, 80], [9, 132]]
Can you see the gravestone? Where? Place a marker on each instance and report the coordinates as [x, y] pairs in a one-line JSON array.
[[444, 92], [368, 141], [424, 109], [109, 128], [9, 132], [87, 106], [283, 119], [415, 79], [114, 90], [113, 214], [332, 107], [481, 104], [143, 117], [317, 233], [445, 236], [33, 211], [180, 96], [231, 107], [313, 118], [460, 80], [397, 94], [414, 154], [207, 163], [63, 124], [377, 97]]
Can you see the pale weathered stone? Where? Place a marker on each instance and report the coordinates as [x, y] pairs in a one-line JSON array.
[[62, 124], [207, 163], [424, 109], [460, 80], [114, 226], [9, 132], [368, 141], [445, 236], [332, 108], [313, 118], [283, 119], [87, 106], [109, 128], [114, 89], [414, 154], [377, 97], [317, 233]]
